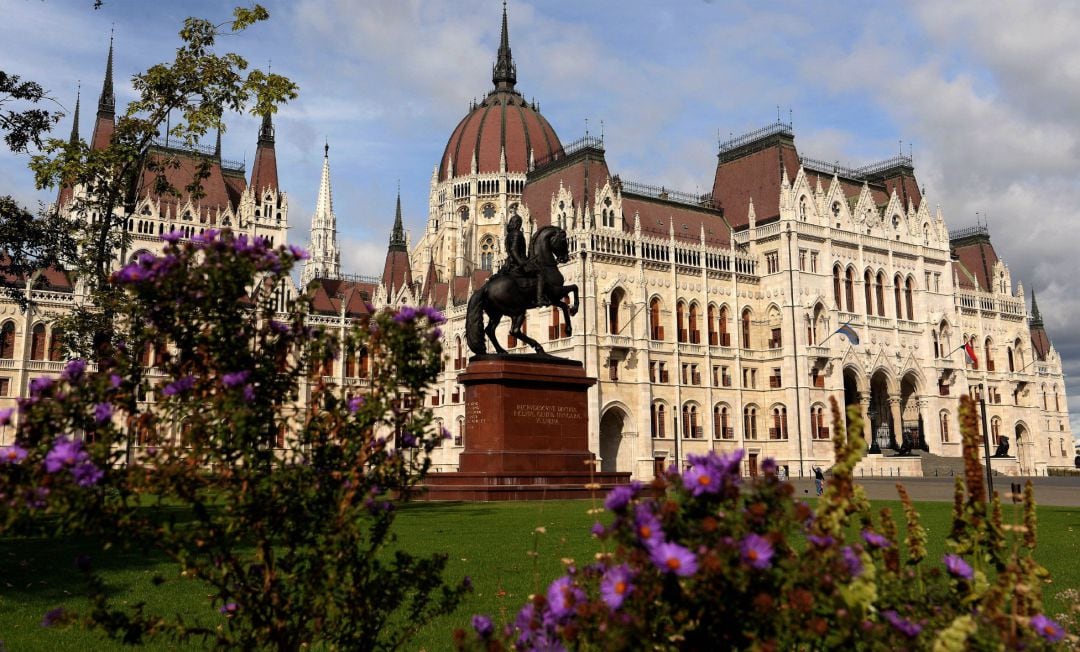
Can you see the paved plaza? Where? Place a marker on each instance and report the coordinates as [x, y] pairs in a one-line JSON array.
[[1057, 491]]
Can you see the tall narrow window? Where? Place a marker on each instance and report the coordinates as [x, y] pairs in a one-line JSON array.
[[849, 289], [868, 283], [658, 418], [909, 299], [614, 327], [721, 324], [897, 283], [37, 342], [710, 314], [7, 340], [750, 422], [879, 289], [944, 421], [746, 328], [656, 329], [692, 325], [680, 321], [836, 287], [987, 353], [56, 346]]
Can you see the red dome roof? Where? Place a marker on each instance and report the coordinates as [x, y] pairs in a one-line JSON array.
[[503, 120]]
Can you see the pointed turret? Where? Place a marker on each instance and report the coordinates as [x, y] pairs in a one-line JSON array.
[[325, 261], [504, 73], [264, 171], [397, 272], [1040, 342], [1036, 318], [74, 138], [106, 112]]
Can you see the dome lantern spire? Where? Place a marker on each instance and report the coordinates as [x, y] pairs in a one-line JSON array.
[[504, 73]]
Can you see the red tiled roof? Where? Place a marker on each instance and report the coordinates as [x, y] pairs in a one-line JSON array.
[[331, 293], [502, 120], [217, 192], [539, 190], [756, 175], [1040, 342], [264, 171], [103, 132], [396, 271], [977, 257], [657, 215]]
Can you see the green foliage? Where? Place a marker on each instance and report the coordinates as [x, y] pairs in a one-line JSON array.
[[294, 541]]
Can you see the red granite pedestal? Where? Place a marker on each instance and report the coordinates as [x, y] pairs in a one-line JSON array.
[[526, 433]]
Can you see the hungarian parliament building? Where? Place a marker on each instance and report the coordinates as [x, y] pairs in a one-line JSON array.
[[716, 321]]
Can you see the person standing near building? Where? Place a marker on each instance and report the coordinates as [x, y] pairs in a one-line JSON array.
[[819, 480]]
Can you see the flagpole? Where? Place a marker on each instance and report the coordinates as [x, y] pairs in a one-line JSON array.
[[822, 342]]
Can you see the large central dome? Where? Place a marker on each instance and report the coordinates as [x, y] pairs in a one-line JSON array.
[[502, 122]]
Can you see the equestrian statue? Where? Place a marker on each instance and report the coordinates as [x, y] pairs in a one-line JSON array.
[[526, 280]]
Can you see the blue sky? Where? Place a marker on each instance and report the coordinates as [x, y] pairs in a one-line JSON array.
[[985, 94]]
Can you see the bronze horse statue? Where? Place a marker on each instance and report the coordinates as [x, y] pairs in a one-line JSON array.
[[502, 296]]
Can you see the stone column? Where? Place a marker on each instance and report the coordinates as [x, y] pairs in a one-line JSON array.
[[924, 419], [897, 421], [864, 407]]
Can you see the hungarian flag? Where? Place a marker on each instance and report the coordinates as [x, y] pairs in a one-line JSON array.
[[847, 331], [969, 351]]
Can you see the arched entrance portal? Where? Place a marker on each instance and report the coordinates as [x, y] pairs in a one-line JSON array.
[[880, 413], [615, 451], [912, 426], [851, 394], [1021, 448]]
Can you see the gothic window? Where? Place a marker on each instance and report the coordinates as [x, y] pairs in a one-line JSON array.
[[721, 324], [896, 221], [897, 283], [995, 430], [779, 428], [836, 210], [690, 421], [56, 348], [879, 289], [680, 323], [7, 340], [710, 318], [459, 436], [943, 420], [937, 344], [37, 342], [1009, 354], [909, 299], [802, 208], [849, 289], [836, 287], [487, 254], [818, 429], [614, 327], [489, 211], [658, 417], [987, 349], [750, 422], [722, 423], [464, 213], [868, 289], [656, 329], [746, 328]]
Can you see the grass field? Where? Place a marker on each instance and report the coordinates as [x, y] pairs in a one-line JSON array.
[[490, 542]]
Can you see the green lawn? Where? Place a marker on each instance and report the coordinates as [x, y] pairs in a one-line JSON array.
[[490, 542]]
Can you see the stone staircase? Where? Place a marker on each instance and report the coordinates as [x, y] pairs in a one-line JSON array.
[[936, 466]]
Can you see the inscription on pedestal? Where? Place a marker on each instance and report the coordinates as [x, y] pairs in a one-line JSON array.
[[547, 414], [473, 415]]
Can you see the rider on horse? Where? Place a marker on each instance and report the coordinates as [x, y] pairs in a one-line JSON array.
[[517, 265]]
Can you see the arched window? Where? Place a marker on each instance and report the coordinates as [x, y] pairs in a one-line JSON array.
[[1009, 355], [868, 283], [658, 418], [721, 325], [459, 436], [879, 290], [37, 342], [710, 319], [656, 329], [1018, 346], [779, 427], [987, 352], [836, 287], [362, 355], [56, 344], [464, 213], [802, 208], [897, 284], [746, 328], [489, 211], [909, 298], [937, 344], [1044, 397], [750, 422], [995, 430], [614, 326], [146, 356], [692, 324], [7, 340], [487, 254], [849, 289], [722, 422], [458, 358], [943, 423], [1057, 405], [691, 429], [680, 323], [818, 429]]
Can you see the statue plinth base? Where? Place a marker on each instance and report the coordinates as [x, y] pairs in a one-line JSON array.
[[526, 433]]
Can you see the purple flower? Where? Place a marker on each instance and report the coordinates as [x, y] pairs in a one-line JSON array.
[[702, 479], [229, 608], [235, 378], [903, 625], [820, 541], [483, 626], [279, 327], [405, 314], [562, 595], [433, 315], [74, 370], [957, 567], [647, 526], [621, 496], [179, 386], [768, 466], [53, 616], [355, 404], [1048, 629], [673, 558], [103, 412], [853, 561], [39, 385], [615, 586], [298, 252], [65, 453], [86, 474], [172, 237], [598, 529], [12, 454], [756, 551], [115, 381], [874, 539], [249, 392], [5, 416]]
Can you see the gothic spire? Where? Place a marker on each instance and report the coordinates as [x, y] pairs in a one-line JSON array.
[[75, 119], [324, 205], [397, 236], [266, 132], [107, 100], [325, 260], [1036, 318], [504, 73]]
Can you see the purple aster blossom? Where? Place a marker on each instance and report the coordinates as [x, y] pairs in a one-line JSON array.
[[673, 558], [820, 541], [103, 412], [433, 314], [647, 526], [903, 625], [769, 466], [615, 586], [874, 539], [405, 314], [483, 625], [36, 497], [235, 378], [179, 386], [130, 273], [562, 596], [299, 252], [957, 567], [756, 551], [172, 237], [206, 237], [249, 392], [115, 381], [597, 530], [65, 453], [355, 404], [229, 608], [853, 561], [53, 616], [74, 370], [12, 454], [40, 385], [5, 416], [702, 479], [621, 496], [278, 327], [87, 474], [444, 433], [1047, 628]]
